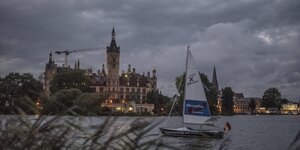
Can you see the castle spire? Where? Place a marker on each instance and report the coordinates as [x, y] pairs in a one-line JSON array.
[[129, 69], [78, 64], [50, 58], [154, 71], [113, 33], [215, 80], [103, 70]]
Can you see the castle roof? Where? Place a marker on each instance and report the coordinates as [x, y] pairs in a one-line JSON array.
[[113, 44]]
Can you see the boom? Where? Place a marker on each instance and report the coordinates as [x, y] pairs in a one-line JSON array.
[[69, 51]]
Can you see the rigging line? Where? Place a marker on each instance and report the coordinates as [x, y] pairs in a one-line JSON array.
[[176, 98]]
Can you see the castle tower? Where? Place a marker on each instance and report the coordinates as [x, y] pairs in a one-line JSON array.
[[49, 73], [154, 79], [112, 64]]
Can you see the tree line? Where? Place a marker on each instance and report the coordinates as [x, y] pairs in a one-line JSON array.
[[270, 99], [70, 94], [22, 93], [70, 89]]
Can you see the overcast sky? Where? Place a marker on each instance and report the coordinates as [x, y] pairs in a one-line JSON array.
[[254, 44]]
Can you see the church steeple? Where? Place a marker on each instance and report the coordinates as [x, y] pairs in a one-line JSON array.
[[215, 80], [78, 64]]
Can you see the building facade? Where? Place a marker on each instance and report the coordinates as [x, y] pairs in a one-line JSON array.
[[241, 104], [127, 86]]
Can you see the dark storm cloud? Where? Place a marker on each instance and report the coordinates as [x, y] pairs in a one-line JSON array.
[[253, 43]]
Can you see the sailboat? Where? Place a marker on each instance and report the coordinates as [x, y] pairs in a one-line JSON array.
[[195, 106]]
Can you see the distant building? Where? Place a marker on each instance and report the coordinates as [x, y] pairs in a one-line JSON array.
[[238, 95], [129, 106], [289, 108], [242, 105]]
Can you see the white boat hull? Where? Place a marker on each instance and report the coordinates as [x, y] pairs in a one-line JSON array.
[[188, 132]]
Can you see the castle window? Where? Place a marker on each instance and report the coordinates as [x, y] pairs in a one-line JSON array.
[[144, 91], [121, 89], [101, 89], [127, 89], [139, 90], [114, 65], [144, 97], [114, 60]]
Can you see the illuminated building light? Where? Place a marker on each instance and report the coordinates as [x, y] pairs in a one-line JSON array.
[[130, 108]]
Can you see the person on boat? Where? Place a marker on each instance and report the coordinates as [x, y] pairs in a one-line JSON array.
[[227, 127]]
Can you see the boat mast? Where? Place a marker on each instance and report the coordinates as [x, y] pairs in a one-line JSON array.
[[184, 93]]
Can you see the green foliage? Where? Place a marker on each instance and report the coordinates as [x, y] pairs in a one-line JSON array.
[[66, 99], [70, 79], [210, 92], [89, 104], [159, 100], [18, 91], [271, 98], [227, 101], [179, 82]]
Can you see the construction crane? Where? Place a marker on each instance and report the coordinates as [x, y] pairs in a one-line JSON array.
[[69, 51]]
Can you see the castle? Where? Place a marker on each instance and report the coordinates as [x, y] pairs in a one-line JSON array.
[[108, 82], [129, 85]]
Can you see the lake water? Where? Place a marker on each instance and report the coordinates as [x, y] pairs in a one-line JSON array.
[[248, 131]]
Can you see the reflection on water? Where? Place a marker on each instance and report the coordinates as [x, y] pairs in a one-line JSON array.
[[192, 143]]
